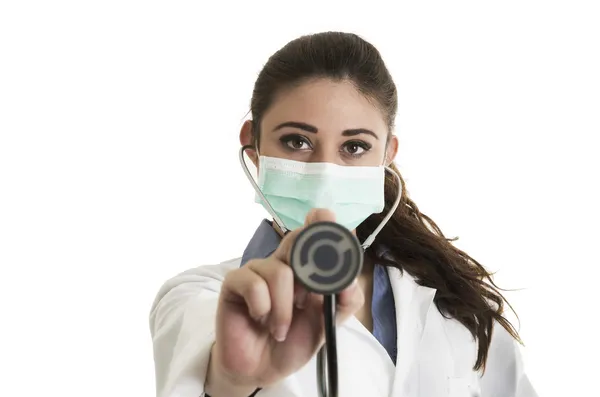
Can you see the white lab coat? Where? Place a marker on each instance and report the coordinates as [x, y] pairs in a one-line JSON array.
[[435, 355]]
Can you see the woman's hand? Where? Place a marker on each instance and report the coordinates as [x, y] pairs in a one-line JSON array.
[[267, 325]]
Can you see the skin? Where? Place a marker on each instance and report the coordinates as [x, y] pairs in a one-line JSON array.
[[267, 325]]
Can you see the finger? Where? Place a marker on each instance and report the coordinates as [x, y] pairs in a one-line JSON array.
[[349, 301], [300, 295], [280, 281], [319, 215], [252, 288]]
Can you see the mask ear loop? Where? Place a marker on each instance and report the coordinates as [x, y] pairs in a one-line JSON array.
[[391, 212], [258, 191]]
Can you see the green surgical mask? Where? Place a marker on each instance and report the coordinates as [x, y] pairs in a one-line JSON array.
[[289, 189]]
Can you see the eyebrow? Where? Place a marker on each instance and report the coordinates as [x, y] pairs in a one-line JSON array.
[[312, 129]]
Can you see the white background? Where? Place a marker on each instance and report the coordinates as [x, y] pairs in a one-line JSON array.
[[119, 127]]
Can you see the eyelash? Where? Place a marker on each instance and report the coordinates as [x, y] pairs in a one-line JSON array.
[[286, 139]]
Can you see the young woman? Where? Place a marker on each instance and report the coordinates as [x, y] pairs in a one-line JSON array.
[[422, 318]]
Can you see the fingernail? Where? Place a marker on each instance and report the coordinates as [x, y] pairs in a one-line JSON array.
[[280, 333]]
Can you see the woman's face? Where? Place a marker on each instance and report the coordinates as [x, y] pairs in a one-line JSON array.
[[324, 121]]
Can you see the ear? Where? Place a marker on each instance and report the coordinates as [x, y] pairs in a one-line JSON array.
[[391, 151], [246, 138]]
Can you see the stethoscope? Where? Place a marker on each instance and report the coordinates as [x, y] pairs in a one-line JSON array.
[[326, 258]]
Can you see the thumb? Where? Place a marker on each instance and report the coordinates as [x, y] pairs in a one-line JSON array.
[[319, 215]]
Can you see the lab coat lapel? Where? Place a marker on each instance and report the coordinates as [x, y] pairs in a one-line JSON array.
[[412, 303]]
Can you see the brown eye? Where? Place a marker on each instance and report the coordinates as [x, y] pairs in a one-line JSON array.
[[295, 142], [356, 149], [353, 148]]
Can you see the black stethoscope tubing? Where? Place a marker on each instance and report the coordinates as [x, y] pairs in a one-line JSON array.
[[327, 367]]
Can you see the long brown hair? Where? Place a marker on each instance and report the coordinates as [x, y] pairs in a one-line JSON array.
[[465, 290]]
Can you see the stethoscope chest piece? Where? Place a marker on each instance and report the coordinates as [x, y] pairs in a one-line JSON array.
[[326, 257]]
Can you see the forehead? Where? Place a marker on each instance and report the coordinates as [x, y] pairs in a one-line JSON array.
[[331, 106]]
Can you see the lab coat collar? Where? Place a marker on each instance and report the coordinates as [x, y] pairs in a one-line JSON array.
[[263, 243], [413, 303]]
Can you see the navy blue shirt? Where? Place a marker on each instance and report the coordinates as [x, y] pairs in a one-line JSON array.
[[266, 240]]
